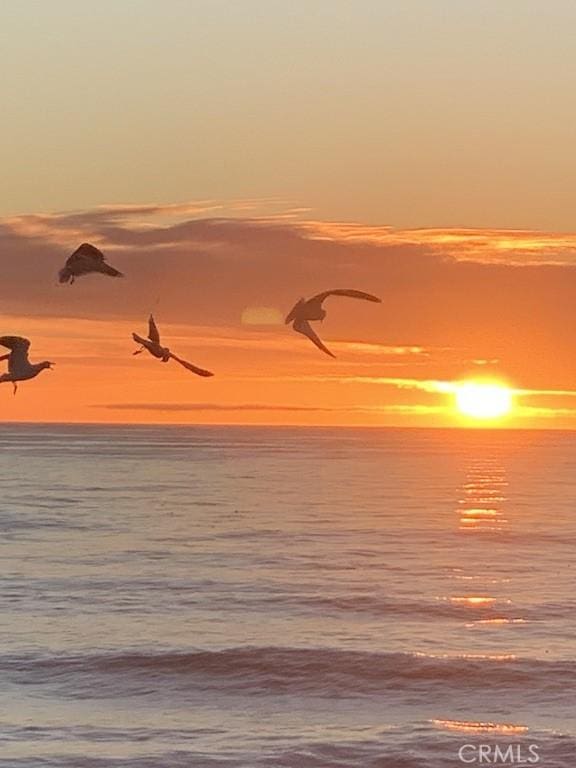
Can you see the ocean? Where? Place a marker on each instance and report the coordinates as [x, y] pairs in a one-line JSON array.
[[202, 597]]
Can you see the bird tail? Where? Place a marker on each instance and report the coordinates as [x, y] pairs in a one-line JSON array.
[[108, 270]]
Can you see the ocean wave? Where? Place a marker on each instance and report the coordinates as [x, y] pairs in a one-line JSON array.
[[418, 745], [391, 607], [292, 670]]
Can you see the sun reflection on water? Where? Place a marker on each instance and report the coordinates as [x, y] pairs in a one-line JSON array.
[[483, 522], [478, 727], [473, 600], [482, 497]]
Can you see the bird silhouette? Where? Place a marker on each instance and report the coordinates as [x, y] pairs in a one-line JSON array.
[[19, 366], [85, 260], [311, 309], [154, 346]]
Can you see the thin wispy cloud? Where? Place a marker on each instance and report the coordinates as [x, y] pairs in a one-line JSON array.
[[492, 246], [216, 407]]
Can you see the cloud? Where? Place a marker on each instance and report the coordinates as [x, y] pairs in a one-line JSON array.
[[492, 246], [261, 407], [506, 297], [195, 407]]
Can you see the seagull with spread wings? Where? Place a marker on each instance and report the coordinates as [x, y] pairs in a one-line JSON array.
[[154, 346], [19, 366], [85, 260], [311, 309]]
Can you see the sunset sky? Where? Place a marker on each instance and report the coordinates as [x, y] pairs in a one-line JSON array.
[[231, 157]]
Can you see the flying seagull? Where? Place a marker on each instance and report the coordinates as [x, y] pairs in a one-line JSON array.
[[19, 366], [86, 259], [153, 345], [311, 309]]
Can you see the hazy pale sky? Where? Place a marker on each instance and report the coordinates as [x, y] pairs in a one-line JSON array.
[[412, 113]]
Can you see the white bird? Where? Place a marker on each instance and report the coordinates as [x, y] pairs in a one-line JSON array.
[[153, 345], [86, 259], [19, 366], [311, 309]]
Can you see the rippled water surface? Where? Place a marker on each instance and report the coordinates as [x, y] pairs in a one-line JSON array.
[[298, 598]]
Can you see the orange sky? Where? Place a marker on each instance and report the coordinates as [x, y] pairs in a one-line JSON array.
[[420, 151], [456, 304]]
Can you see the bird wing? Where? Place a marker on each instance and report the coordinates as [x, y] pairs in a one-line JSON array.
[[87, 258], [350, 292], [18, 347], [304, 327], [85, 254], [141, 340], [153, 332], [190, 367]]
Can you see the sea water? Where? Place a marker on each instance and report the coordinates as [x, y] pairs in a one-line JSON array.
[[286, 597]]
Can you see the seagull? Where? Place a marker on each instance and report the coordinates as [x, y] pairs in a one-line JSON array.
[[86, 259], [19, 367], [311, 309], [153, 345]]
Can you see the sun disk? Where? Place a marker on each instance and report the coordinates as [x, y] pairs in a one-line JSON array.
[[483, 400]]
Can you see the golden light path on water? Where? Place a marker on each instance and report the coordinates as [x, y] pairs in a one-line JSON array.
[[479, 511], [481, 504], [480, 517]]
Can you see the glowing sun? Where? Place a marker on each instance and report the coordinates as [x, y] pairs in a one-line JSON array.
[[483, 400]]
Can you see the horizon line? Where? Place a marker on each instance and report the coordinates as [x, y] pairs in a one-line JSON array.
[[242, 425]]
